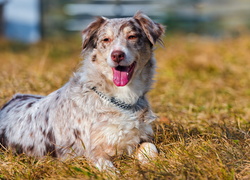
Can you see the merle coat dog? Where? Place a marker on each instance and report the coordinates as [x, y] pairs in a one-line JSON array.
[[103, 110]]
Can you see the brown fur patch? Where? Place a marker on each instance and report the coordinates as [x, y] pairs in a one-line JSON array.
[[94, 58]]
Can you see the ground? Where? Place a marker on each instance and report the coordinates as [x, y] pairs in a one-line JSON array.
[[201, 95]]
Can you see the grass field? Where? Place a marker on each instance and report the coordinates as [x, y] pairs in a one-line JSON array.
[[201, 95]]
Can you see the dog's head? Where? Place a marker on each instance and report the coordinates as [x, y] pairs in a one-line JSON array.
[[121, 47]]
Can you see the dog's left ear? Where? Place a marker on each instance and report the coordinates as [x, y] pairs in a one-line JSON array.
[[152, 30], [89, 34]]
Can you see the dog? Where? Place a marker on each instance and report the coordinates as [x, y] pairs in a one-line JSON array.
[[103, 110]]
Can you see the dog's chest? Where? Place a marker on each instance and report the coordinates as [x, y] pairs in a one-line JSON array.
[[117, 130]]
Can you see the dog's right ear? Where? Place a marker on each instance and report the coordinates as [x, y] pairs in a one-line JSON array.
[[89, 34]]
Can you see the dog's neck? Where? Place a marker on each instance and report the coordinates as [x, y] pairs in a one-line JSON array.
[[140, 104]]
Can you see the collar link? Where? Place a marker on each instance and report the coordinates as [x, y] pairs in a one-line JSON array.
[[139, 105]]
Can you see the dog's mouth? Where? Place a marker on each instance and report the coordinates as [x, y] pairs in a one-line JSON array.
[[123, 74]]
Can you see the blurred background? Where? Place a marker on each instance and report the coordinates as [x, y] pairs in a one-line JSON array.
[[201, 94], [30, 21]]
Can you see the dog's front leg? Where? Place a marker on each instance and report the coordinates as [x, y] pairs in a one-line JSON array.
[[146, 152], [104, 164], [102, 161]]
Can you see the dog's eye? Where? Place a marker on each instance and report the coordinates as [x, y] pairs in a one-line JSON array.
[[106, 40], [132, 37]]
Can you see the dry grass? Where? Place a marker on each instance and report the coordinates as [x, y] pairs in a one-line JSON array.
[[202, 97]]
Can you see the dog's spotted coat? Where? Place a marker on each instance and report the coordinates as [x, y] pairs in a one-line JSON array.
[[75, 120]]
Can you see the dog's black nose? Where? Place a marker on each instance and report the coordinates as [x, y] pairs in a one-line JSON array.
[[117, 56]]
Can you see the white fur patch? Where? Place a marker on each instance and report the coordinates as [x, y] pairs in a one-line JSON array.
[[147, 152]]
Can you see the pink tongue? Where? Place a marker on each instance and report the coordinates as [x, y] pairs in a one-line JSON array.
[[121, 75]]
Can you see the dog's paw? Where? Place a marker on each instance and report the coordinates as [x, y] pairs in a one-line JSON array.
[[106, 166], [146, 152]]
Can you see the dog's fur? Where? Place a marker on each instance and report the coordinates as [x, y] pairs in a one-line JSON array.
[[91, 115]]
